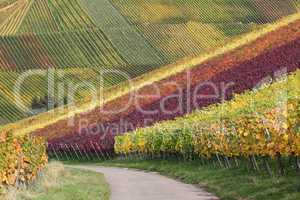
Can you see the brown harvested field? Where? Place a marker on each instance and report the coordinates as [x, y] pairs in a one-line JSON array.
[[244, 67]]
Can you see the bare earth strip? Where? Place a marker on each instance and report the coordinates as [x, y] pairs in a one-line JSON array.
[[128, 184]]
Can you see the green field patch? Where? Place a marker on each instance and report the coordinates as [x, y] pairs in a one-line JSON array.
[[66, 86], [175, 41], [203, 11], [134, 48], [69, 15], [39, 19]]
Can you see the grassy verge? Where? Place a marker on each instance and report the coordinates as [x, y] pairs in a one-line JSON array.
[[228, 184], [58, 182]]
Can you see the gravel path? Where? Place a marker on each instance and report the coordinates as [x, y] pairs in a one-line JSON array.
[[128, 184]]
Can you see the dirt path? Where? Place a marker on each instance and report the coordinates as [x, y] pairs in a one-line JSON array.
[[128, 184]]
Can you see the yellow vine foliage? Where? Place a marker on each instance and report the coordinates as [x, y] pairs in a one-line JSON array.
[[21, 158], [265, 122]]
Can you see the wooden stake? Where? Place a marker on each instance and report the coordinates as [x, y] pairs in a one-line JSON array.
[[280, 165], [268, 168]]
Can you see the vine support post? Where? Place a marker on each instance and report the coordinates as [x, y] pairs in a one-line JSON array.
[[219, 160], [267, 166], [95, 150], [68, 149], [227, 162], [100, 149], [56, 155], [64, 152], [75, 152], [201, 160], [236, 161], [298, 163], [79, 151], [280, 165], [60, 153], [254, 163], [86, 154], [20, 159]]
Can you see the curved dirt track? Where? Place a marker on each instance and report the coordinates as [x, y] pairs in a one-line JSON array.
[[128, 184]]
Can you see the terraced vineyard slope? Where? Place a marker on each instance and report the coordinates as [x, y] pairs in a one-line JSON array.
[[261, 125], [75, 41], [238, 70]]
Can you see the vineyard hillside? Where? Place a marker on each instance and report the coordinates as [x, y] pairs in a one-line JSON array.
[[75, 42], [58, 40], [84, 106], [198, 89], [246, 66], [110, 41], [235, 128]]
